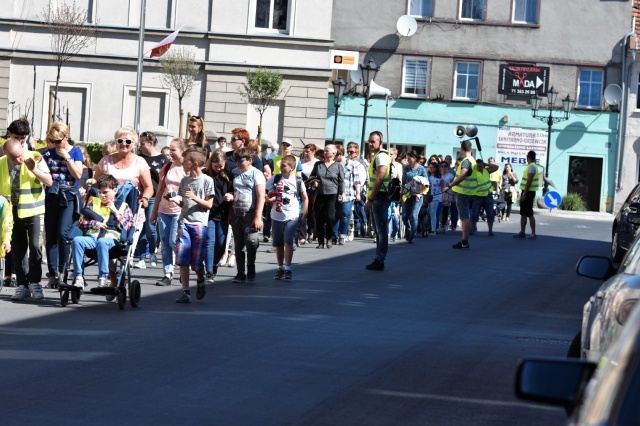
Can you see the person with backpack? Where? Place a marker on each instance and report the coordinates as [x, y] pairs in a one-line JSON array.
[[286, 194]]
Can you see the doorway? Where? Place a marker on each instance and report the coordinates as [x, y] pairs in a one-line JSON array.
[[585, 179]]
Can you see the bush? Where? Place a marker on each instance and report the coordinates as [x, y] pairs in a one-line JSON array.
[[95, 151], [573, 202]]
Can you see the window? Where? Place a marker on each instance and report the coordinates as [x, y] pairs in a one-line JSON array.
[[272, 15], [525, 11], [590, 88], [421, 8], [467, 80], [415, 77], [472, 9]]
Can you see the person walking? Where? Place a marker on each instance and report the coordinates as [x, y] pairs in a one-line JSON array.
[[413, 197], [529, 186], [377, 197], [484, 195], [508, 189], [464, 185]]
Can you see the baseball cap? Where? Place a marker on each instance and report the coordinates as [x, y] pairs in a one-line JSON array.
[[287, 141]]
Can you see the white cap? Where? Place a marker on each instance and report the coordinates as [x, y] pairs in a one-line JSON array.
[[287, 141]]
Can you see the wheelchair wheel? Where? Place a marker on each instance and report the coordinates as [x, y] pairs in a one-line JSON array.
[[75, 296], [134, 293], [64, 298], [122, 298]]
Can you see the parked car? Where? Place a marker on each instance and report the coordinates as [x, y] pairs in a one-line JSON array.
[[605, 393], [623, 232], [608, 309]]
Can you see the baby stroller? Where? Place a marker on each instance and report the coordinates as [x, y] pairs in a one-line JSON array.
[[121, 254]]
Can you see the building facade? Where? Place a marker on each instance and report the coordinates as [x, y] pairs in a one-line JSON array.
[[479, 62], [98, 85]]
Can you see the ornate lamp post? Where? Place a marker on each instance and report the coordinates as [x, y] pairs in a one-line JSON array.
[[369, 73], [339, 87], [567, 106]]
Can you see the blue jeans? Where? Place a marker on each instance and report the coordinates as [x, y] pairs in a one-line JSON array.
[[150, 231], [216, 242], [380, 211], [341, 227], [487, 203], [81, 244], [168, 235], [410, 211], [434, 213], [359, 214], [57, 224]]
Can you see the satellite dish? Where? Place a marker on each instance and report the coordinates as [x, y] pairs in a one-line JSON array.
[[407, 25], [613, 94], [356, 76]]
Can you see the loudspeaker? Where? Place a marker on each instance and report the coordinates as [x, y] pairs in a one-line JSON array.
[[376, 90], [459, 131], [469, 131]]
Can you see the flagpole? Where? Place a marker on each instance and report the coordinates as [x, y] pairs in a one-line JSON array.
[[136, 123]]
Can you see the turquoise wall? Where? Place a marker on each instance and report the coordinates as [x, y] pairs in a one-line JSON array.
[[432, 123]]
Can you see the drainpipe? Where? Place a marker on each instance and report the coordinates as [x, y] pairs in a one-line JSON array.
[[623, 113]]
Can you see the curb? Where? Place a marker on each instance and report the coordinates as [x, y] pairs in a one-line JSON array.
[[599, 216]]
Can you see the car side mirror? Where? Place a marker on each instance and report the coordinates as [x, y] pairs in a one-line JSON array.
[[558, 381], [596, 267]]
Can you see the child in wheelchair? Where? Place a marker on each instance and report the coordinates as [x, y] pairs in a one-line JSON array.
[[103, 221]]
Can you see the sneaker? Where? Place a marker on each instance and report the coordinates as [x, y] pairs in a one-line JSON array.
[[141, 264], [376, 265], [201, 289], [279, 274], [341, 241], [350, 237], [519, 235], [52, 283], [393, 239], [164, 281], [211, 277], [266, 239], [10, 282], [251, 273], [184, 298], [271, 250], [36, 291], [461, 245], [533, 236], [288, 275], [103, 282], [79, 282], [239, 278], [491, 233], [153, 260], [21, 293]]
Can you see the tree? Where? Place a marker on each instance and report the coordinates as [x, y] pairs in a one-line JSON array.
[[70, 33], [261, 89], [179, 72]]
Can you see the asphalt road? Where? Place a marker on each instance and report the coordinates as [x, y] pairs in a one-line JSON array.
[[432, 340]]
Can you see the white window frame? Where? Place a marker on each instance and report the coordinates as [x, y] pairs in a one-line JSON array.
[[127, 89], [290, 15], [599, 106], [455, 81], [513, 15], [482, 18], [49, 86], [404, 77], [419, 15]]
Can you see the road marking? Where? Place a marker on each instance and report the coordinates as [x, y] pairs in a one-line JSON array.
[[51, 331], [54, 355], [461, 400]]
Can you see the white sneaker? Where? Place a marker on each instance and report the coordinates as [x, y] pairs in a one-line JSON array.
[[141, 264], [154, 260], [103, 282], [36, 291], [21, 293], [79, 282]]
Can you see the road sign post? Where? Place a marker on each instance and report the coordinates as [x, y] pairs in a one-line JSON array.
[[552, 199]]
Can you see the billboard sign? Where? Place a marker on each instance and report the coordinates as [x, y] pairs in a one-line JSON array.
[[343, 60], [513, 144], [523, 80]]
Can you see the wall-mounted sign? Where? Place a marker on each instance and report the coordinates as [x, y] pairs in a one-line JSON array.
[[523, 80], [514, 143], [343, 60]]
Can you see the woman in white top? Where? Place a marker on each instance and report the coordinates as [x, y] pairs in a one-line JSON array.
[[308, 160]]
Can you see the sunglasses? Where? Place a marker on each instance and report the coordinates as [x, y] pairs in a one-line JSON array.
[[242, 160], [59, 141], [197, 117], [125, 141], [351, 152], [235, 139], [148, 135]]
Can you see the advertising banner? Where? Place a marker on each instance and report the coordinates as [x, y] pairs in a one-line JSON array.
[[513, 144]]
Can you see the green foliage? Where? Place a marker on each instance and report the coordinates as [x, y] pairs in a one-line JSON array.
[[573, 202], [94, 149], [261, 89]]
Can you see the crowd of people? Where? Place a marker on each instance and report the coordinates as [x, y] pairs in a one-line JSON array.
[[206, 204]]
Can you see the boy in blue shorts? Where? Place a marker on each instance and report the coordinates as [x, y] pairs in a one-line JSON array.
[[195, 196]]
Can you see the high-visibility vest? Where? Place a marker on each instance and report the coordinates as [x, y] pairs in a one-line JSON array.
[[31, 195], [484, 183], [111, 232], [372, 173], [276, 164], [535, 184], [470, 183]]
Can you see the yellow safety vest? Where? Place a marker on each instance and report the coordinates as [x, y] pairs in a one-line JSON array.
[[6, 224], [31, 196], [105, 213], [470, 183], [276, 164], [484, 183], [372, 174], [535, 184]]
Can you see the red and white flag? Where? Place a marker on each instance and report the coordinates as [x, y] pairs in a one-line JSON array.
[[160, 48]]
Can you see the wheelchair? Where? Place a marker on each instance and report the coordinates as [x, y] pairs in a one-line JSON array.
[[120, 258]]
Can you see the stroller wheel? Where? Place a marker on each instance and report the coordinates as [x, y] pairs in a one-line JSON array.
[[64, 298], [134, 293], [75, 296], [122, 298]]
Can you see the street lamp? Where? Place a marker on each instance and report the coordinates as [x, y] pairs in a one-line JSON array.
[[369, 73], [339, 86], [567, 106]]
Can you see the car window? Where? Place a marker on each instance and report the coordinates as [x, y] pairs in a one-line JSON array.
[[631, 262], [634, 195]]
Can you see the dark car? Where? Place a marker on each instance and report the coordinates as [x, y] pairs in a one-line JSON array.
[[604, 393], [623, 232]]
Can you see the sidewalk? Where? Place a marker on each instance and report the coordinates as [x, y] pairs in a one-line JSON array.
[[600, 216]]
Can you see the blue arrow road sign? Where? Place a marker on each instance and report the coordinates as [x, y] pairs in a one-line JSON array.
[[552, 199]]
